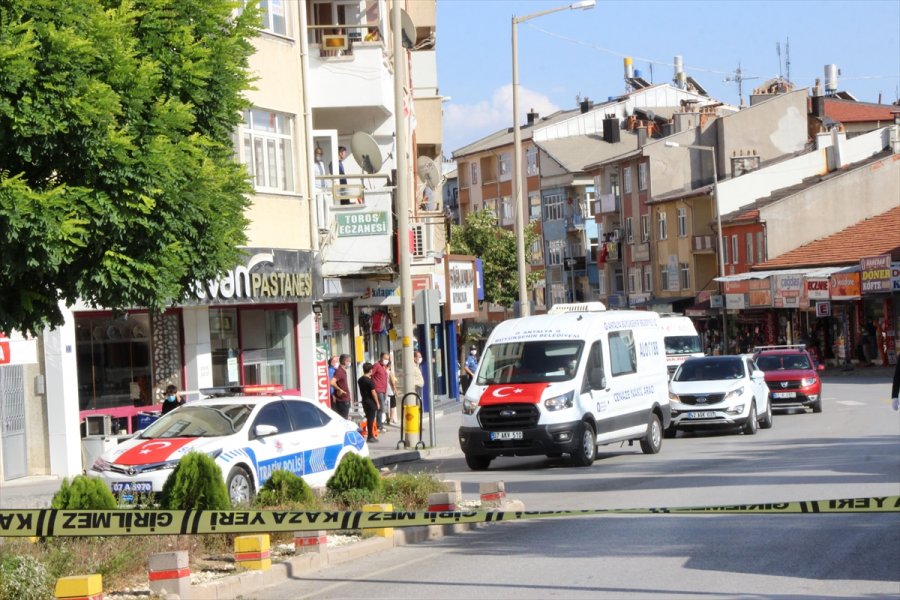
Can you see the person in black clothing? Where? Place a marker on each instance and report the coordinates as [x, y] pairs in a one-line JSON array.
[[171, 400], [895, 387], [369, 398]]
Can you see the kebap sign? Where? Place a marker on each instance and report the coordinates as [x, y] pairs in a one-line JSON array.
[[875, 274]]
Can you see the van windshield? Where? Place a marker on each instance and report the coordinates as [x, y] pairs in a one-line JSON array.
[[683, 344], [530, 362]]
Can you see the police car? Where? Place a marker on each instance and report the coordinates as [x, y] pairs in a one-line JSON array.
[[248, 436]]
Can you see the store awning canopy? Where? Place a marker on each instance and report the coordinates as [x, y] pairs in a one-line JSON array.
[[808, 272]]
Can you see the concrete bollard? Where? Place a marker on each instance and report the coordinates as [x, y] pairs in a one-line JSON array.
[[441, 502], [492, 493], [170, 573], [79, 587], [252, 552], [308, 542], [385, 532], [453, 486]]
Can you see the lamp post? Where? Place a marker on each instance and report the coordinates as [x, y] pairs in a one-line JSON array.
[[524, 306], [721, 252]]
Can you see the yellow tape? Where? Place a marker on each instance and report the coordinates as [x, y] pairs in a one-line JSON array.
[[73, 523]]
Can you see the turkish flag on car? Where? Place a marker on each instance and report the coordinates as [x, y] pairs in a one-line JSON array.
[[518, 393], [152, 451]]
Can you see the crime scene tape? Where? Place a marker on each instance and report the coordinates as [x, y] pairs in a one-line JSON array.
[[51, 522]]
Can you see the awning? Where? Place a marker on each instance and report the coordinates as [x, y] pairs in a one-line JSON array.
[[809, 273], [660, 300]]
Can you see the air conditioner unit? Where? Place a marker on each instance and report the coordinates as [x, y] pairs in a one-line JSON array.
[[98, 425]]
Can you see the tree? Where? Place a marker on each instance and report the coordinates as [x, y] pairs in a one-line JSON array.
[[481, 236], [118, 184]]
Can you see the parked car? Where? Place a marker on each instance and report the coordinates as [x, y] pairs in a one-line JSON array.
[[792, 376], [248, 436], [710, 392]]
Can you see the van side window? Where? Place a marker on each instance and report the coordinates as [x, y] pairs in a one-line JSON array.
[[621, 353], [595, 361]]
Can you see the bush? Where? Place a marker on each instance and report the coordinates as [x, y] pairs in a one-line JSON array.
[[409, 491], [195, 484], [285, 488], [83, 493], [24, 577], [354, 473]]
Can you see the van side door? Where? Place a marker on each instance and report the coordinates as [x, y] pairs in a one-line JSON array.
[[596, 396]]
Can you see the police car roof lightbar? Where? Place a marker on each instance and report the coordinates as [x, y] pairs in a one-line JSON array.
[[243, 390], [558, 309]]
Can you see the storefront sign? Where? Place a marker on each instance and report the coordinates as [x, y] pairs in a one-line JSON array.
[[844, 286], [817, 289], [359, 224], [462, 293], [787, 291], [759, 292], [266, 275], [875, 272], [17, 351], [823, 309], [640, 252], [716, 300], [736, 301], [895, 276], [323, 386]]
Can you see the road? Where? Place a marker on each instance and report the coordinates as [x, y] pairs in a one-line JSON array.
[[852, 449]]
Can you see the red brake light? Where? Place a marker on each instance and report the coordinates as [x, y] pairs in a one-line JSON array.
[[263, 389]]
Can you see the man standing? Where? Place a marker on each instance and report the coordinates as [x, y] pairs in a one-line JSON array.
[[380, 377], [418, 378], [370, 400], [332, 367], [321, 184], [470, 367], [342, 152], [341, 402]]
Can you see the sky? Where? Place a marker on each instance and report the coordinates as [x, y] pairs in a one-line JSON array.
[[579, 53]]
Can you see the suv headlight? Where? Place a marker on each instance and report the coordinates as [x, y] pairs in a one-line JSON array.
[[734, 394], [560, 402], [469, 405], [673, 397]]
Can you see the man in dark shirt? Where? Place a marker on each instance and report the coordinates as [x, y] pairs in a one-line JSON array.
[[341, 387], [369, 398], [380, 377]]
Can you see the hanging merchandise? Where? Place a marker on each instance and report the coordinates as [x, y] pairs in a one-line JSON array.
[[379, 319], [365, 322]]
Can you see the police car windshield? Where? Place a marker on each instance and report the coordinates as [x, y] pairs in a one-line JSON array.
[[530, 362], [682, 344], [199, 421]]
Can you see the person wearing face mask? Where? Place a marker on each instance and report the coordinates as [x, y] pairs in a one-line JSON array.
[[418, 378], [341, 404], [171, 401], [380, 377], [470, 367]]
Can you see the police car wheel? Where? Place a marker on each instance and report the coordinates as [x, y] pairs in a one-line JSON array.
[[586, 452], [652, 442], [240, 486], [478, 462]]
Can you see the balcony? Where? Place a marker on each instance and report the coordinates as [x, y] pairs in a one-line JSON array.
[[608, 204], [703, 244]]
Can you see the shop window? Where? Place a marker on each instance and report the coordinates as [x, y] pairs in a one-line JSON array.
[[262, 352]]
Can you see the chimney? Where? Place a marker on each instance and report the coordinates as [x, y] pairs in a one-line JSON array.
[[642, 135], [585, 105], [532, 117], [611, 133], [679, 78]]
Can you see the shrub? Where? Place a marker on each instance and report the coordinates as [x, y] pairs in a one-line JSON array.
[[354, 473], [24, 577], [195, 484], [355, 499], [83, 493], [410, 491], [284, 488]]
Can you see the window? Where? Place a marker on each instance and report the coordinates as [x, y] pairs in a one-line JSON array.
[[555, 252], [685, 276], [749, 240], [663, 277], [645, 228], [503, 164], [273, 414], [464, 175], [682, 222], [474, 173], [619, 280], [634, 280], [266, 346], [614, 186], [760, 247], [554, 207], [274, 19], [534, 204], [648, 279], [661, 221], [621, 353], [725, 251], [536, 252], [506, 211], [629, 231], [735, 249], [531, 161], [595, 360], [626, 177], [642, 176], [305, 416], [266, 148]]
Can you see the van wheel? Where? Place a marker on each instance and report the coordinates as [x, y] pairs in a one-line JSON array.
[[652, 442], [751, 425], [478, 462], [240, 486], [586, 452], [766, 421]]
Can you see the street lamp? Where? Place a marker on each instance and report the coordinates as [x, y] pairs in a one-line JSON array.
[[524, 306], [721, 253]]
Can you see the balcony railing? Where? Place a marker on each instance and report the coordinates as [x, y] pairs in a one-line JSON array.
[[704, 243]]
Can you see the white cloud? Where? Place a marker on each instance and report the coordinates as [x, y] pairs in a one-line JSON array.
[[467, 123]]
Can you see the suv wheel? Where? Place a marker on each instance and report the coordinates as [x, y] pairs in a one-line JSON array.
[[766, 421], [751, 424]]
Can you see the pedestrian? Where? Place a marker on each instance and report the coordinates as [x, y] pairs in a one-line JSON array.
[[895, 387], [390, 406], [418, 378], [370, 401], [321, 184], [341, 388], [470, 367], [171, 400], [342, 152], [333, 363], [380, 377]]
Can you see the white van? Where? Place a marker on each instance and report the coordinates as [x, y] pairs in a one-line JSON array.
[[565, 382], [681, 339]]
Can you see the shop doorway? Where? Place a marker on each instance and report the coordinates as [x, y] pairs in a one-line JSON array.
[[12, 421]]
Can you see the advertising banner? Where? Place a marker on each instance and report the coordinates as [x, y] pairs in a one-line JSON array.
[[817, 289], [875, 272], [844, 286], [759, 292]]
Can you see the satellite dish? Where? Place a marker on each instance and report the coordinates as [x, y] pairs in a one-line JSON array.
[[366, 152], [428, 172], [407, 30]]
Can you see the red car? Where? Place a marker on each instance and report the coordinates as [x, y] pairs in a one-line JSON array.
[[792, 377]]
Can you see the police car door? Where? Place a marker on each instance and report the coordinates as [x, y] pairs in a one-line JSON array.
[[273, 451], [596, 397]]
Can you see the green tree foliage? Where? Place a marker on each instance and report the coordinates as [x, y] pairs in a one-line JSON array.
[[482, 236], [354, 473], [195, 484], [283, 488], [118, 184], [83, 493]]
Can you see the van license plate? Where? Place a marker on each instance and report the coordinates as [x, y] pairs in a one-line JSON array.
[[506, 435], [703, 414], [784, 394]]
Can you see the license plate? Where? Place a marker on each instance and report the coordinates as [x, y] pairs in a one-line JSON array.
[[703, 414], [506, 435], [132, 487], [784, 394]]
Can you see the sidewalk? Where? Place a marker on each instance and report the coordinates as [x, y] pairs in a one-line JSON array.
[[37, 491]]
